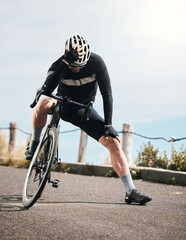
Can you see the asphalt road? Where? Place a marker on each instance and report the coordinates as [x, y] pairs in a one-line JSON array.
[[90, 208]]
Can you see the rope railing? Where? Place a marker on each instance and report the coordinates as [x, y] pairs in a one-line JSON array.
[[26, 133], [172, 139]]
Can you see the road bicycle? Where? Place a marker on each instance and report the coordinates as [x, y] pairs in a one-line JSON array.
[[46, 155]]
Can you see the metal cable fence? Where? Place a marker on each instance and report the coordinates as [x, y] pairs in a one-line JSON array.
[[172, 139]]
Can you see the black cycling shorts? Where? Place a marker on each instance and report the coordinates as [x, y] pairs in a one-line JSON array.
[[94, 127]]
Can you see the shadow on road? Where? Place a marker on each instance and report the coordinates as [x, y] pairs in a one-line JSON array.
[[6, 200], [8, 203], [84, 202], [10, 198]]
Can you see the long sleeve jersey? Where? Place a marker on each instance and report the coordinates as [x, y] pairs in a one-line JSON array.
[[82, 86]]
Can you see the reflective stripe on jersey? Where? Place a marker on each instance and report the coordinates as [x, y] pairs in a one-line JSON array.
[[49, 73], [79, 82]]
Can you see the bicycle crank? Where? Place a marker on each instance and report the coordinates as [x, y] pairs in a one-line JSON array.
[[57, 161]]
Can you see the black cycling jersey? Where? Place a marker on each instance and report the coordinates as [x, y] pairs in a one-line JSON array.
[[82, 86]]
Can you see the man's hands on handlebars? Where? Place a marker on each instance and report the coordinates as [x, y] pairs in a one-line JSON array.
[[39, 92], [64, 99]]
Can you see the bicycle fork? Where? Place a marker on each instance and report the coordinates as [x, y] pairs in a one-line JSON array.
[[54, 121], [55, 183]]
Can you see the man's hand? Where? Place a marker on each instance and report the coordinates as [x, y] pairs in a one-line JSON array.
[[71, 55], [110, 131]]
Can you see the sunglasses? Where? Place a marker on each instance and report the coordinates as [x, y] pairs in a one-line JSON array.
[[73, 66]]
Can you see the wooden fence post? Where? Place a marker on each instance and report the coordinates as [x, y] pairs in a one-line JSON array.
[[12, 138], [82, 147], [127, 141]]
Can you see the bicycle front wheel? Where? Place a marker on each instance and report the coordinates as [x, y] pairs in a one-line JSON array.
[[40, 167]]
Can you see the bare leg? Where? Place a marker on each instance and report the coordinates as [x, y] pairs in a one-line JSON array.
[[120, 165], [39, 116], [118, 158], [39, 119], [119, 161]]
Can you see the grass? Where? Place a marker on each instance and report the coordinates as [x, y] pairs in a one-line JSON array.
[[14, 158]]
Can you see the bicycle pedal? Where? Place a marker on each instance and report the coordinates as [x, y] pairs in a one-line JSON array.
[[55, 183]]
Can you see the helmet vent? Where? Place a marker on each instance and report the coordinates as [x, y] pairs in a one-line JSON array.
[[81, 43]]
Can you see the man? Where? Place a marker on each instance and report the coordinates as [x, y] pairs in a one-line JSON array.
[[77, 74]]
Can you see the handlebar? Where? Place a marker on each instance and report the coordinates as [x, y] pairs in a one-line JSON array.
[[36, 99], [87, 107]]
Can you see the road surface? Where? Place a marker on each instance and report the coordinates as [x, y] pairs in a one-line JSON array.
[[90, 208]]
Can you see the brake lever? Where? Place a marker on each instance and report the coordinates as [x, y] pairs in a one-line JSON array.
[[38, 95]]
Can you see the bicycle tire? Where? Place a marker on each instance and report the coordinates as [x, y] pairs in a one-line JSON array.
[[40, 166]]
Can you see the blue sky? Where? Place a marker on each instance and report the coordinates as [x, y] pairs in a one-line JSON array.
[[142, 42]]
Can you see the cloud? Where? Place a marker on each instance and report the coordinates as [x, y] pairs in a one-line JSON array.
[[142, 42]]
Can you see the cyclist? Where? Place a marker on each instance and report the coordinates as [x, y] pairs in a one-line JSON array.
[[77, 74]]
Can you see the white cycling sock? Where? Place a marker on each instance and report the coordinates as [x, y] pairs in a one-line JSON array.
[[127, 181], [36, 133]]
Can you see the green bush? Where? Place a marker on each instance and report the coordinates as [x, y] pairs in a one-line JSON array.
[[111, 173], [178, 160], [135, 173], [150, 157]]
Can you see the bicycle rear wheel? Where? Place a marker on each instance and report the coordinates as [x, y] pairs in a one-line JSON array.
[[40, 167]]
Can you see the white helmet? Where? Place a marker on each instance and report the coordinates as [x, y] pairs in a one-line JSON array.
[[82, 43]]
